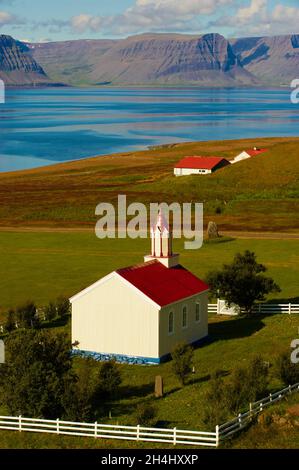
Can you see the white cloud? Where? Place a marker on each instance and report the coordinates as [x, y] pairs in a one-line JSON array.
[[151, 15], [6, 18]]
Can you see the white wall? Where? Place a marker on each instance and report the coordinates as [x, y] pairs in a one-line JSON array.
[[189, 171], [194, 330], [113, 318], [240, 157]]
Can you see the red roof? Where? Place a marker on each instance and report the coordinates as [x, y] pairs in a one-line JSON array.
[[254, 152], [163, 285], [205, 163]]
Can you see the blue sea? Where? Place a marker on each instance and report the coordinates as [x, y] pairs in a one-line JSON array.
[[45, 126]]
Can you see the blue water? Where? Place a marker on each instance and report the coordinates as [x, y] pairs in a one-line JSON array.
[[44, 126]]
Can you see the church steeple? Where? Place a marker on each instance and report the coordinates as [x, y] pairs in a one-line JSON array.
[[161, 244]]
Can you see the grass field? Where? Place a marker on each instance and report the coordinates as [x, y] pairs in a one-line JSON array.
[[67, 194], [40, 266]]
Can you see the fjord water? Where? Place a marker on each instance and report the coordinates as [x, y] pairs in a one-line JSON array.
[[44, 126]]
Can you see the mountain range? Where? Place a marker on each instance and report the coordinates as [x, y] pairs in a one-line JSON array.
[[153, 59]]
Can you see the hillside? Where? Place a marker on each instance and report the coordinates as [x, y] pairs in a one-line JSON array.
[[260, 194], [17, 66], [153, 59], [273, 60], [147, 58]]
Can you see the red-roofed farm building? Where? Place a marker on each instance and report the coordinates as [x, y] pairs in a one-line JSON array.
[[140, 313], [199, 165], [248, 154]]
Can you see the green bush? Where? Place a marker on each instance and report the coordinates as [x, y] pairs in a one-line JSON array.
[[63, 306], [50, 311], [145, 414], [109, 379], [287, 371], [182, 358]]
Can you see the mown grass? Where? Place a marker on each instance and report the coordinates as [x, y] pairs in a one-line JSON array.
[[67, 194], [41, 266], [233, 341]]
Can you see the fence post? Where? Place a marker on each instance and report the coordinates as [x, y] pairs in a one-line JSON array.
[[138, 432], [290, 309], [261, 406], [57, 425], [20, 423], [250, 410], [270, 395], [260, 308], [240, 419], [174, 436], [96, 429], [290, 389], [217, 435]]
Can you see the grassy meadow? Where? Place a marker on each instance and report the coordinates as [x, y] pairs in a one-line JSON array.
[[42, 265], [237, 197], [48, 248]]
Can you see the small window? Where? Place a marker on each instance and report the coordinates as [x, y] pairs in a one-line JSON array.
[[184, 318], [170, 323], [197, 312]]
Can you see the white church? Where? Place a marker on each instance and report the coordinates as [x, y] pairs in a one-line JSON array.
[[140, 313]]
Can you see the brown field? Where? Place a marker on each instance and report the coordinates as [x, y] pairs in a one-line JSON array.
[[260, 194]]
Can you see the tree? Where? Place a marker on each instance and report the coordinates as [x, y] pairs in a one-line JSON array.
[[242, 282], [37, 373], [109, 379], [26, 315], [287, 371], [10, 323], [62, 306], [50, 311], [182, 358]]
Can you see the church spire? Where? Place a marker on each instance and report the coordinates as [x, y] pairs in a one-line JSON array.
[[161, 243]]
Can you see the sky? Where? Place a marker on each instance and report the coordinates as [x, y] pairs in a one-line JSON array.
[[41, 21]]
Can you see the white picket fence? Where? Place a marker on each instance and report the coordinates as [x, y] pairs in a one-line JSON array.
[[258, 308], [146, 434], [106, 431], [233, 426]]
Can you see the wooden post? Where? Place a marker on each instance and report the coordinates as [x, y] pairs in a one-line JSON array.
[[290, 389], [290, 309], [174, 436], [270, 396], [217, 435], [20, 423], [250, 410], [96, 429], [240, 419], [138, 432], [57, 425]]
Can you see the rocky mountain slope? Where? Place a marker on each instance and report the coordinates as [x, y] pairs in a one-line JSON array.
[[174, 59], [273, 60], [17, 66], [145, 59]]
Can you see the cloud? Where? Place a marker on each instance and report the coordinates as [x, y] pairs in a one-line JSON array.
[[7, 18], [150, 15], [260, 18]]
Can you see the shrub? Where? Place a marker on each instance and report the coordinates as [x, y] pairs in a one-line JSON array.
[[50, 311], [145, 414], [214, 411], [63, 306], [109, 378], [182, 357], [10, 323], [26, 315], [287, 371]]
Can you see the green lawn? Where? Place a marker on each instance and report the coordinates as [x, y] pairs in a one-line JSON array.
[[41, 266]]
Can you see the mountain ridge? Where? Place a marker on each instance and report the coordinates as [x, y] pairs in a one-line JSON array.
[[157, 59]]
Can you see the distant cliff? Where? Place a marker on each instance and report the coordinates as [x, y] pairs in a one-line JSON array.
[[206, 60], [273, 60], [154, 59], [17, 66]]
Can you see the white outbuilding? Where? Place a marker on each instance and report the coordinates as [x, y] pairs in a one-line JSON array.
[[138, 314], [199, 165], [247, 154]]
